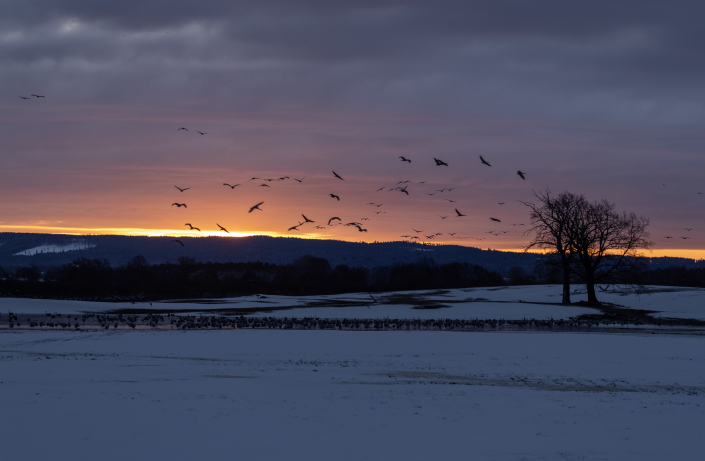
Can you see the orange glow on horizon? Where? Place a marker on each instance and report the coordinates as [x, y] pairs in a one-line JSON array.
[[655, 253]]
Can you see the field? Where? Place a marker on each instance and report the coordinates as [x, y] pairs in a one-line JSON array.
[[634, 393]]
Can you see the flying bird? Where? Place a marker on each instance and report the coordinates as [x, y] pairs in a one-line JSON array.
[[335, 197], [256, 207], [439, 162], [337, 175], [381, 188], [484, 162], [404, 190], [331, 219], [521, 174], [182, 128], [23, 97], [222, 228], [404, 159], [37, 95], [459, 213], [299, 180], [495, 219], [689, 229], [181, 190], [685, 238], [668, 237], [231, 186], [306, 219], [451, 201], [294, 228], [501, 203], [178, 241], [179, 205], [360, 229], [417, 231], [201, 132], [251, 179], [192, 228], [442, 217]]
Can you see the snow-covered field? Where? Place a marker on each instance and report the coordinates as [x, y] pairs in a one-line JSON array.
[[515, 302], [330, 395]]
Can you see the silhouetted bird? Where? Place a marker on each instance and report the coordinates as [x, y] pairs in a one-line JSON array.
[[417, 231], [331, 219], [404, 190], [182, 128], [251, 179], [179, 205], [256, 207], [501, 203], [264, 185], [404, 159], [442, 217], [222, 228], [668, 237], [294, 228], [521, 174], [299, 180], [360, 229], [439, 162], [337, 175], [495, 219], [335, 197], [381, 188], [451, 201], [192, 228], [685, 238], [484, 162], [459, 213], [23, 97], [231, 186], [201, 132], [37, 95], [306, 219], [181, 190], [177, 241], [689, 229]]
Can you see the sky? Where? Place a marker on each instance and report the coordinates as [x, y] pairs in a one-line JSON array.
[[601, 98]]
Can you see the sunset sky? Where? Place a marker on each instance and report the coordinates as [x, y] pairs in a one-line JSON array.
[[601, 98]]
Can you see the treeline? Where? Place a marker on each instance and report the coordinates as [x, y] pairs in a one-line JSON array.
[[95, 279]]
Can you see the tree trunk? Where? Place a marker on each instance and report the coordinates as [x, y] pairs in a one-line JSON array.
[[566, 283], [592, 297]]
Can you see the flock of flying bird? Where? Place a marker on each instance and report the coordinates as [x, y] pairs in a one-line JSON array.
[[401, 186]]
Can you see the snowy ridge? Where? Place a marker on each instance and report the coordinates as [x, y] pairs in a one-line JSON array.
[[55, 248]]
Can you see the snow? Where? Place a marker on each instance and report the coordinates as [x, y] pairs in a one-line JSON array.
[[322, 395], [483, 303], [55, 248]]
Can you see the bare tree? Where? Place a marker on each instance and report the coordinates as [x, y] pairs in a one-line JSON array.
[[607, 244], [551, 219]]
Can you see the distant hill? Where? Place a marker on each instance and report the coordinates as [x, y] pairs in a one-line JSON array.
[[51, 250]]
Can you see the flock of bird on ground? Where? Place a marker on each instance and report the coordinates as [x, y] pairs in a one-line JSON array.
[[401, 186]]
